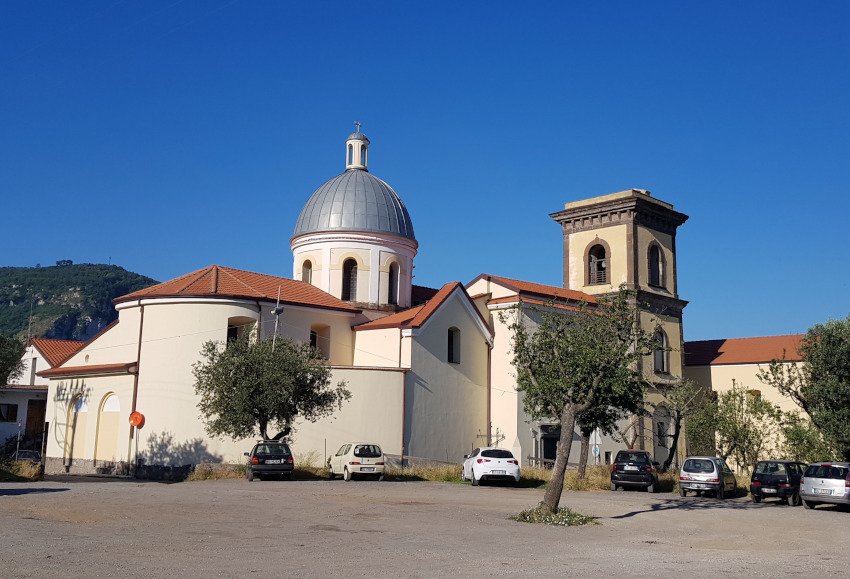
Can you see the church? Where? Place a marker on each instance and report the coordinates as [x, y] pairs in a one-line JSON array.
[[429, 369]]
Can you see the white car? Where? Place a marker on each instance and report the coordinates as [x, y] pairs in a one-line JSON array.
[[359, 459], [490, 463]]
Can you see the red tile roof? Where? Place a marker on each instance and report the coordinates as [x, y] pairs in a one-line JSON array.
[[538, 289], [526, 300], [93, 370], [57, 351], [742, 350], [219, 281], [414, 317], [29, 387]]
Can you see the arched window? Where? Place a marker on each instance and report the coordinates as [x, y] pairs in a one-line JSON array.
[[350, 154], [655, 266], [349, 280], [598, 272], [392, 284], [660, 355], [454, 346], [363, 156], [307, 272]]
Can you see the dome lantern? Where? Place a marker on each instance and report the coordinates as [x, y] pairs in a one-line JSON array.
[[356, 150]]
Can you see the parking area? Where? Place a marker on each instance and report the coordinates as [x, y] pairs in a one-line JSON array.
[[88, 527]]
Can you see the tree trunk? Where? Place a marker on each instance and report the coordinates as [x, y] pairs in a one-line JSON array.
[[552, 497], [585, 449], [674, 444]]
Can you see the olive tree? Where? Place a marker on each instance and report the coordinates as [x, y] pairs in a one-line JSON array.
[[820, 385], [248, 385], [11, 362], [571, 359]]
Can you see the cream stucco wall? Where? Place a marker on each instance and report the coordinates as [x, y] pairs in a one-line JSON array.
[[719, 378], [579, 243], [446, 402], [381, 348], [645, 237]]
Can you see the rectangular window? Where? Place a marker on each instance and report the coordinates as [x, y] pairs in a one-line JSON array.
[[8, 412]]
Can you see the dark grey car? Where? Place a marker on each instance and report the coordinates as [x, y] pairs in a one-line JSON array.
[[634, 469], [777, 479], [269, 458]]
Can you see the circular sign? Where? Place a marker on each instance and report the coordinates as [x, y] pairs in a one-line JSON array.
[[137, 419], [595, 451]]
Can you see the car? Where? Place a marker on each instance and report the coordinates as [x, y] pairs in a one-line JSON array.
[[269, 458], [32, 455], [490, 463], [825, 482], [777, 478], [634, 469], [357, 459], [707, 473]]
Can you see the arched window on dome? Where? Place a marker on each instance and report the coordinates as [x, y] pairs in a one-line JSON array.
[[363, 156], [598, 265], [307, 271], [392, 284], [350, 154], [349, 280]]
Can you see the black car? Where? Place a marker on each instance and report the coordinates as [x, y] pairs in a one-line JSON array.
[[634, 469], [777, 478], [269, 458]]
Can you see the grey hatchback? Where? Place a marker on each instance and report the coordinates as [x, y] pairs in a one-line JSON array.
[[707, 473], [825, 482], [269, 458]]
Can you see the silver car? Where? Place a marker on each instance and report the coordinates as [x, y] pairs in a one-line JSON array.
[[825, 482], [707, 474]]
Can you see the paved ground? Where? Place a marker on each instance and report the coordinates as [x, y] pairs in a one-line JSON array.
[[121, 528]]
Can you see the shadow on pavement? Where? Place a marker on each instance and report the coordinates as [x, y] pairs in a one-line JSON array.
[[689, 504], [27, 491]]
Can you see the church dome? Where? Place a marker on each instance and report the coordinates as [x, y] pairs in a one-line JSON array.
[[355, 201]]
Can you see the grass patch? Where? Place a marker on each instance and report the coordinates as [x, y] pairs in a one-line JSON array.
[[20, 471], [436, 473], [560, 518], [206, 471]]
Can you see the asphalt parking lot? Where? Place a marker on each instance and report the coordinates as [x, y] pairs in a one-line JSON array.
[[88, 527]]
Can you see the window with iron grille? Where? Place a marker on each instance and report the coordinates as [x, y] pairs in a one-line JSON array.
[[598, 264]]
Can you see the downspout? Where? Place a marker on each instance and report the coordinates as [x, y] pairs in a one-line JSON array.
[[136, 385], [489, 392], [403, 411]]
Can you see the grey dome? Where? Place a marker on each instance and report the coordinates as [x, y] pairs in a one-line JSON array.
[[358, 135], [355, 201]]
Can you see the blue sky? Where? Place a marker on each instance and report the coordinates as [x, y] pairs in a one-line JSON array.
[[168, 136]]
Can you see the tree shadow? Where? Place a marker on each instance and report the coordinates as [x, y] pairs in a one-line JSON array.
[[28, 491], [688, 504], [166, 459]]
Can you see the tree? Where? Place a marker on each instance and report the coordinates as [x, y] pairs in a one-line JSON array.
[[681, 400], [573, 360], [248, 386], [748, 426], [821, 384], [11, 359], [701, 429], [803, 440]]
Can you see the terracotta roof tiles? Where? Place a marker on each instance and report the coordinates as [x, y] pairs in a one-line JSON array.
[[219, 281], [538, 289], [742, 350], [57, 351], [413, 317]]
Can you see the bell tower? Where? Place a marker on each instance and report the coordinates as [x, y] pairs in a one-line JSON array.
[[628, 238]]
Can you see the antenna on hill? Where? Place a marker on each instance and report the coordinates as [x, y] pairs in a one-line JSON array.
[[29, 324]]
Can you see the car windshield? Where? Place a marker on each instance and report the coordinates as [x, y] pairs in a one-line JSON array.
[[826, 471], [770, 468], [367, 451], [271, 449], [497, 453], [636, 457], [698, 465]]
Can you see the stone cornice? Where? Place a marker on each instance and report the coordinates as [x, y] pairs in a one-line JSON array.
[[620, 211]]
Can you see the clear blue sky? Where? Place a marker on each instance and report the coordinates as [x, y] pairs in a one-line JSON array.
[[168, 136]]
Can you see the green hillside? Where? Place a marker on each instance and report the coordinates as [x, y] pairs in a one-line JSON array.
[[69, 302]]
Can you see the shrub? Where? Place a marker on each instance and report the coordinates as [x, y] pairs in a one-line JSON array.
[[561, 517]]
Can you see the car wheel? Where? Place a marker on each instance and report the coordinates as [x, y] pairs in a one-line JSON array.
[[721, 494], [462, 475], [475, 481], [809, 504], [346, 474], [756, 498], [249, 475], [650, 488], [613, 487], [380, 477], [794, 499], [735, 490], [682, 492]]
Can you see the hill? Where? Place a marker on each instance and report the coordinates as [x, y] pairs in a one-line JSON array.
[[69, 302]]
